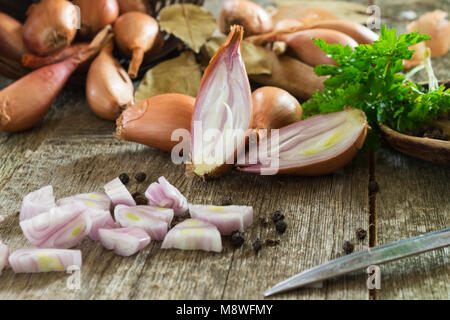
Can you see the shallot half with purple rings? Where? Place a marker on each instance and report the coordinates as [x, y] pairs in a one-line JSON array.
[[4, 254], [37, 202], [163, 194], [227, 218], [44, 260], [153, 220], [118, 193], [61, 227], [124, 241], [193, 234]]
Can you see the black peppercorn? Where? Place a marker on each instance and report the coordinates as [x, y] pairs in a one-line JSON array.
[[124, 178], [237, 239], [227, 202], [348, 247], [140, 177], [281, 226], [257, 245], [373, 187], [361, 233], [277, 215]]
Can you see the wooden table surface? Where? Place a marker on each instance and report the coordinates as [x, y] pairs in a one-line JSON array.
[[75, 151]]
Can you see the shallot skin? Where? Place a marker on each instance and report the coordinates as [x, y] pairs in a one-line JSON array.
[[37, 202], [152, 121], [12, 45], [44, 260], [163, 194], [274, 108], [248, 14], [357, 31], [135, 34], [193, 234], [4, 255], [50, 26], [95, 15], [61, 227], [124, 241], [109, 89], [301, 45]]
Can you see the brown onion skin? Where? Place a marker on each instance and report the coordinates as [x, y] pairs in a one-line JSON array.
[[301, 46], [135, 34], [109, 89], [358, 32], [248, 14], [274, 108], [12, 45], [152, 121], [50, 26], [134, 5], [95, 15]]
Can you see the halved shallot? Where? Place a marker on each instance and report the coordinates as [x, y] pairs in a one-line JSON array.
[[152, 121], [4, 254], [37, 202], [12, 46], [193, 234], [19, 111], [95, 200], [50, 26], [223, 110], [153, 220], [61, 227], [315, 146], [226, 218], [124, 241], [118, 193], [45, 260], [165, 195], [109, 89], [135, 34]]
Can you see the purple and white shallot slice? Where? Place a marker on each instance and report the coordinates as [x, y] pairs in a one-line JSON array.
[[101, 219], [37, 202], [124, 241], [61, 227], [95, 200], [163, 194], [118, 193], [4, 254], [226, 218], [153, 220], [44, 260], [193, 234]]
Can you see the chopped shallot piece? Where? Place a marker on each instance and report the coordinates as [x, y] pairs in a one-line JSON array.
[[4, 254], [101, 219], [153, 220], [92, 200], [193, 234], [124, 241], [2, 218], [165, 195], [227, 218], [37, 202], [61, 227], [44, 260], [118, 193]]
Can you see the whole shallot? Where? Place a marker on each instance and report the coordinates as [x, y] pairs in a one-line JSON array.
[[50, 26], [95, 15], [19, 111], [134, 5], [12, 45], [135, 34], [109, 89]]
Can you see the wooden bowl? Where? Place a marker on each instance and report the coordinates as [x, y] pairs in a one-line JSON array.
[[437, 151], [18, 8]]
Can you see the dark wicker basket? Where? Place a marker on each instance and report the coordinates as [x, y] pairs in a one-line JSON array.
[[17, 9]]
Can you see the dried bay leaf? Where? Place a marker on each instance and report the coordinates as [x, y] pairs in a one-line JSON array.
[[188, 22], [179, 75], [255, 58]]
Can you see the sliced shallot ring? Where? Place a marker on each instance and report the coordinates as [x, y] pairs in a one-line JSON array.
[[124, 241], [45, 260], [118, 193], [226, 218], [165, 195], [37, 202], [193, 234]]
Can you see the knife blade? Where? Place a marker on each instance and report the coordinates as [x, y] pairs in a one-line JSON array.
[[362, 259]]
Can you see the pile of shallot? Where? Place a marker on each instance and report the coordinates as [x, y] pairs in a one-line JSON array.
[[53, 227]]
